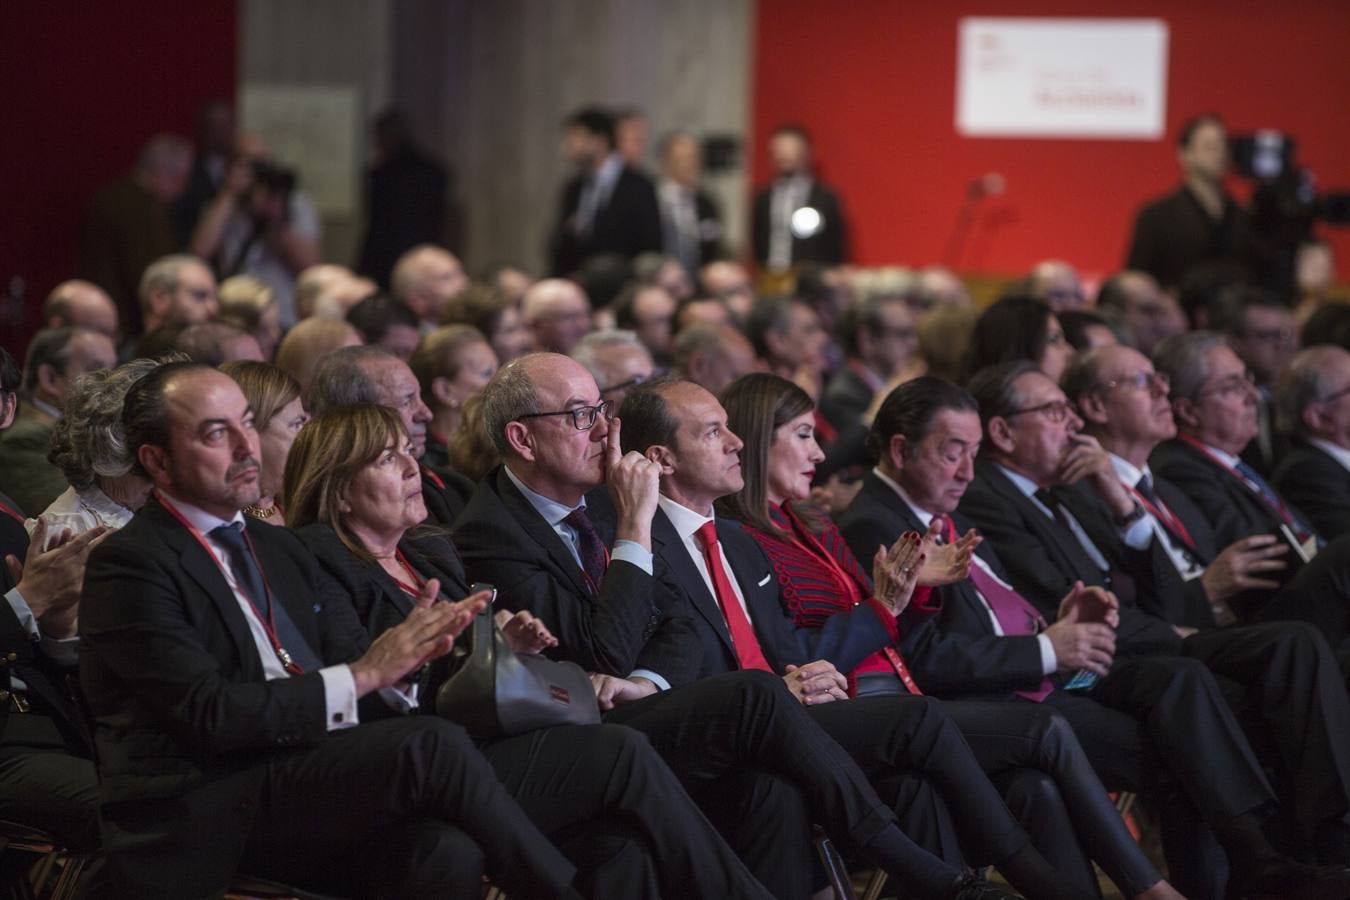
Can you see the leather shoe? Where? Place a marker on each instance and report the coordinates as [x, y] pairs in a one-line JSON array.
[[1283, 877], [972, 886]]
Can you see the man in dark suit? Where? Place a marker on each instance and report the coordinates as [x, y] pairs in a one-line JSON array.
[[527, 530], [1259, 326], [691, 224], [232, 692], [1154, 725], [796, 218], [1199, 222], [1029, 753], [1280, 676], [1214, 403], [879, 336], [354, 375], [46, 777], [609, 207], [1312, 405]]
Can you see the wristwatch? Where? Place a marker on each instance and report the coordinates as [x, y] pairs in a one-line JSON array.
[[1131, 517]]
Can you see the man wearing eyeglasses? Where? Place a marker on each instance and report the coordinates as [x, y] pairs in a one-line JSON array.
[[618, 360], [1214, 401], [177, 290], [1260, 327], [1281, 676], [1313, 403]]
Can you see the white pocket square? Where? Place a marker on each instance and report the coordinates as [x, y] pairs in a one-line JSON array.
[[765, 580]]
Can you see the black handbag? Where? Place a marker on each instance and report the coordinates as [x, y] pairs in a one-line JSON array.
[[494, 692]]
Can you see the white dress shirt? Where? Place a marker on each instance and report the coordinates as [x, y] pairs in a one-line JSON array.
[[687, 523], [338, 686], [1186, 564]]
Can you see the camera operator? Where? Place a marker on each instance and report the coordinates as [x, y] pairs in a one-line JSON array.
[[1199, 222], [260, 225]]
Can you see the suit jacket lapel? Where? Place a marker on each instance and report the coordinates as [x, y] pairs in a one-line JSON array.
[[541, 533], [1048, 531], [201, 567], [667, 546]]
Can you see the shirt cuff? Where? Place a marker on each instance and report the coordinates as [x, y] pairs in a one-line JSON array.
[[632, 552], [400, 701], [339, 697], [1049, 661], [62, 651], [24, 614], [660, 682], [1138, 535]]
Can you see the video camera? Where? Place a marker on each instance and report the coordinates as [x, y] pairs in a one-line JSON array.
[[276, 179]]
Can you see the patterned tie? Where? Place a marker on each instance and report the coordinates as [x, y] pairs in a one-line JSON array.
[[748, 651], [248, 577], [591, 549], [1016, 616], [1302, 529]]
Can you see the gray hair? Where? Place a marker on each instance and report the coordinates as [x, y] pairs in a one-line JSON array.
[[89, 441], [508, 396], [342, 380], [588, 349], [994, 390], [163, 274], [1184, 359], [49, 347], [1301, 385]]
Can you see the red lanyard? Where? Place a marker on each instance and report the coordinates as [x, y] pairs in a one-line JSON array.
[[412, 590], [435, 479], [1252, 486], [1168, 519], [13, 514], [268, 623]]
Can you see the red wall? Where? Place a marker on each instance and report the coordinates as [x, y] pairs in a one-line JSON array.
[[81, 88], [875, 82]]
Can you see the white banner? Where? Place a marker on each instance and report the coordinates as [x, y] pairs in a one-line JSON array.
[[1061, 78]]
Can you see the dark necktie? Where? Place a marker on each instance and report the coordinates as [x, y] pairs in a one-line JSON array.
[[591, 548], [249, 577], [748, 652], [1302, 530], [1015, 614]]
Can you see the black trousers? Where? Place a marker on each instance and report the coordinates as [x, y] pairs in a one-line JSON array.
[[411, 807], [1289, 694], [1159, 726], [714, 726], [52, 790]]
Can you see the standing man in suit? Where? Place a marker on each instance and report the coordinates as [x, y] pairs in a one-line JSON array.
[[531, 530], [608, 207], [1158, 725], [1313, 404], [1214, 402], [232, 693], [691, 224], [796, 218]]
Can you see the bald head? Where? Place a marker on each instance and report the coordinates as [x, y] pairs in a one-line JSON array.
[[714, 356], [81, 304], [426, 278], [309, 342], [310, 283], [1057, 283], [557, 313]]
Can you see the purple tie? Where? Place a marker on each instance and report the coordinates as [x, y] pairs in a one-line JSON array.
[[1015, 615], [594, 559]]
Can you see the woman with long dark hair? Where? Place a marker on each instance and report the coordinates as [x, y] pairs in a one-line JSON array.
[[819, 576]]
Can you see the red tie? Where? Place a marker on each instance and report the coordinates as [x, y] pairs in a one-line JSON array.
[[13, 514], [743, 637], [1016, 616]]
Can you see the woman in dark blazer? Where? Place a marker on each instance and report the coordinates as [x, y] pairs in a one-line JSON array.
[[354, 493], [819, 576]]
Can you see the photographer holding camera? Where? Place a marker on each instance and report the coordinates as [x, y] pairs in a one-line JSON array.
[[259, 224]]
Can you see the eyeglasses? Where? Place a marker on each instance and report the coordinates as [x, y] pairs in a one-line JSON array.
[[1271, 335], [1056, 411], [1141, 381], [1336, 395], [1233, 384], [583, 417]]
